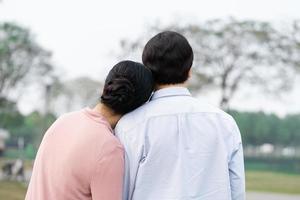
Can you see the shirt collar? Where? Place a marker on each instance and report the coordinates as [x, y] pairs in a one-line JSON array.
[[170, 91]]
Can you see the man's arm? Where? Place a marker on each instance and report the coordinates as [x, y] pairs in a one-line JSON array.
[[107, 180], [236, 167]]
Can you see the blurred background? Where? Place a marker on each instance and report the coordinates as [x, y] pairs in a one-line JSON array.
[[54, 56]]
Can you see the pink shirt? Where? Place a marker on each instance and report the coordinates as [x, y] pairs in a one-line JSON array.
[[78, 159]]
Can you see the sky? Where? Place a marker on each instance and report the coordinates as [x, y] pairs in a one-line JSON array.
[[84, 35]]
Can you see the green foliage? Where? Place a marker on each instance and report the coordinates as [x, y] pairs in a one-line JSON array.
[[258, 128], [30, 127], [10, 118], [291, 127], [30, 151], [13, 153]]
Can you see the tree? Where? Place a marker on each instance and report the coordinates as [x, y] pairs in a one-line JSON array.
[[231, 53], [291, 124], [22, 60], [296, 39], [258, 128], [30, 127]]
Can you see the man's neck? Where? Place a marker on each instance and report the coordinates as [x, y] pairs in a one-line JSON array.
[[158, 87]]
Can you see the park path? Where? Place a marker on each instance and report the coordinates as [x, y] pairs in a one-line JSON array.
[[270, 196]]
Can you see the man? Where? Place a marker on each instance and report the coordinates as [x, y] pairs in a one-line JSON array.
[[178, 148]]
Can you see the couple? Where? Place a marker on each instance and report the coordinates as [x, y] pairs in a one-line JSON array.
[[172, 147]]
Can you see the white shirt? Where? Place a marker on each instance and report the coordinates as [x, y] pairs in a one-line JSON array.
[[178, 148]]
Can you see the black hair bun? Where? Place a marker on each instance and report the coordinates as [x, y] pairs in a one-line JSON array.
[[127, 86], [118, 91]]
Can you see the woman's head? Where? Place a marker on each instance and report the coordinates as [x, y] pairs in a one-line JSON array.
[[128, 85]]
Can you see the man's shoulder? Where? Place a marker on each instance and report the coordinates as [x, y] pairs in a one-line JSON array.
[[202, 107], [133, 118], [162, 108]]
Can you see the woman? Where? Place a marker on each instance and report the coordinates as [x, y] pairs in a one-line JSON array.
[[79, 157]]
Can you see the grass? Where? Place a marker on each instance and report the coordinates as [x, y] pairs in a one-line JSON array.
[[261, 181], [12, 190], [266, 181]]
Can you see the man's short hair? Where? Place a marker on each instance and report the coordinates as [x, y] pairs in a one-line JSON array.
[[169, 56]]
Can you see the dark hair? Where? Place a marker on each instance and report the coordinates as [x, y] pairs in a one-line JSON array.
[[127, 86], [169, 56]]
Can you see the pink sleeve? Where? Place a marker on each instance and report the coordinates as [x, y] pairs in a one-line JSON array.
[[107, 181]]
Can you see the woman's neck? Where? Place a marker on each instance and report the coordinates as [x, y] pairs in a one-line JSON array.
[[108, 114]]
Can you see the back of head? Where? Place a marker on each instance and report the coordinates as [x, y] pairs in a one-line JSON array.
[[169, 56], [128, 85]]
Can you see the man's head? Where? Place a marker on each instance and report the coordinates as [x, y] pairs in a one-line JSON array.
[[169, 56]]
